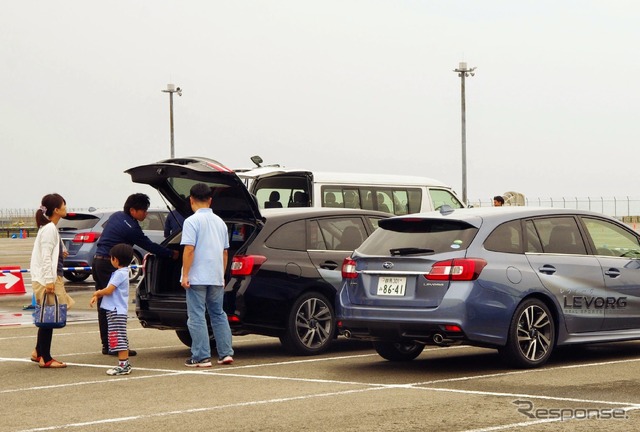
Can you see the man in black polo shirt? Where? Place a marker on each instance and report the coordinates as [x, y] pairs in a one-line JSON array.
[[122, 227]]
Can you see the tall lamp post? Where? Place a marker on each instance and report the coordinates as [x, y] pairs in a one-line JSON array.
[[171, 89], [463, 72]]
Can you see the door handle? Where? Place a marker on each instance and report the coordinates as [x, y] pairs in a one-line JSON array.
[[329, 265], [613, 272], [547, 269]]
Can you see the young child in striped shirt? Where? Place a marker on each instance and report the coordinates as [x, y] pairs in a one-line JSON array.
[[115, 300]]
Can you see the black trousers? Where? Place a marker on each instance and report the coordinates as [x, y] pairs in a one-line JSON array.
[[43, 343], [101, 272]]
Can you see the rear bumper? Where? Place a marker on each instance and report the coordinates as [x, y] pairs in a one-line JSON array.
[[427, 333], [481, 321]]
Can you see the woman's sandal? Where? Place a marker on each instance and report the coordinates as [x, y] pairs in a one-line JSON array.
[[53, 363], [35, 357]]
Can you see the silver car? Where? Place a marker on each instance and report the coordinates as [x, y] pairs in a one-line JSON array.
[[80, 231], [522, 280]]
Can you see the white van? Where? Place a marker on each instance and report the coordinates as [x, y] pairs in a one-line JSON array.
[[397, 194]]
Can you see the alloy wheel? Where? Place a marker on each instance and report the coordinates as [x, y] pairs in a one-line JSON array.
[[535, 333]]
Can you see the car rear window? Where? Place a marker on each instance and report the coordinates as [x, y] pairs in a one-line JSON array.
[[77, 221], [291, 236], [411, 236]]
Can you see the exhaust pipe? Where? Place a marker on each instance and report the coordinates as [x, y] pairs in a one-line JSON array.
[[440, 340], [347, 334]]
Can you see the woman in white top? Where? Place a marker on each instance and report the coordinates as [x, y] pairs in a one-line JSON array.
[[46, 271]]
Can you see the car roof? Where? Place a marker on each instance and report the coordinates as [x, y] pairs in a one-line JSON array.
[[107, 211], [311, 212], [345, 178], [475, 216]]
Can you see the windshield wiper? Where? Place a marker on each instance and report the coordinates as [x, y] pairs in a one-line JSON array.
[[410, 251]]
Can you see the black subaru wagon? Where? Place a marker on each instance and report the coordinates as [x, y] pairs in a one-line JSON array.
[[284, 266]]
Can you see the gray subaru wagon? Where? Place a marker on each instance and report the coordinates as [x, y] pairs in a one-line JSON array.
[[520, 279]]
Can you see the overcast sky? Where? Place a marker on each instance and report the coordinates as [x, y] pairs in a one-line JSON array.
[[332, 85]]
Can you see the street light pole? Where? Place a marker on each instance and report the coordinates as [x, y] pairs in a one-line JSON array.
[[171, 89], [464, 72]]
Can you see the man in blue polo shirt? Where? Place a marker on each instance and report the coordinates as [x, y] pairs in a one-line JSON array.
[[122, 227], [204, 259]]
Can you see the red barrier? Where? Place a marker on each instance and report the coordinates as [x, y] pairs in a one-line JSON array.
[[11, 282]]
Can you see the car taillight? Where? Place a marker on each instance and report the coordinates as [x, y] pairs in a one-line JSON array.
[[245, 265], [466, 269], [349, 269], [89, 237]]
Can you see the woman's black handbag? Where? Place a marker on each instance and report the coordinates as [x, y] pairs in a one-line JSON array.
[[50, 315]]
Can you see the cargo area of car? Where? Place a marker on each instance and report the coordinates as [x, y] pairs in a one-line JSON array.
[[163, 276]]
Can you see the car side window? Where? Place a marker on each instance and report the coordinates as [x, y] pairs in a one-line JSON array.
[[373, 222], [560, 235], [291, 236], [505, 238], [153, 221], [440, 197], [316, 239], [533, 241], [400, 202], [342, 233], [610, 239]]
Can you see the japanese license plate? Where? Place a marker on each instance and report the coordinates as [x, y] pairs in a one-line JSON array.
[[392, 286]]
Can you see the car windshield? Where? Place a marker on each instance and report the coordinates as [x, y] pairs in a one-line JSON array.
[[418, 236], [77, 221]]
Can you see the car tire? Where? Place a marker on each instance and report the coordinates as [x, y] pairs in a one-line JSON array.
[[76, 276], [532, 335], [311, 325], [398, 351], [134, 274], [185, 338]]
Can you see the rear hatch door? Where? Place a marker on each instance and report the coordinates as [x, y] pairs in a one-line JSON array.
[[392, 265], [76, 223], [173, 178]]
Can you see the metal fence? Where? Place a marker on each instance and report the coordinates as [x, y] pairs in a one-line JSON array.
[[619, 207], [613, 206], [21, 218]]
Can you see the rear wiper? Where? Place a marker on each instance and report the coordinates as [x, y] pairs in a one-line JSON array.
[[410, 251]]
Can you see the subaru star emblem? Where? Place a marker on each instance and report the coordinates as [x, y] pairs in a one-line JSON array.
[[387, 265]]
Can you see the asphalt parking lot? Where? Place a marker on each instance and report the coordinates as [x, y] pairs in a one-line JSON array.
[[348, 388]]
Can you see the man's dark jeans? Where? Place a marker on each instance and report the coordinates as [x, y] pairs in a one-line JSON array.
[[101, 272]]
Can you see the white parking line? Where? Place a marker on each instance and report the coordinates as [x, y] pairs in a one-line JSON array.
[[228, 373], [370, 387], [526, 371], [521, 425], [286, 363], [199, 410], [527, 396]]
